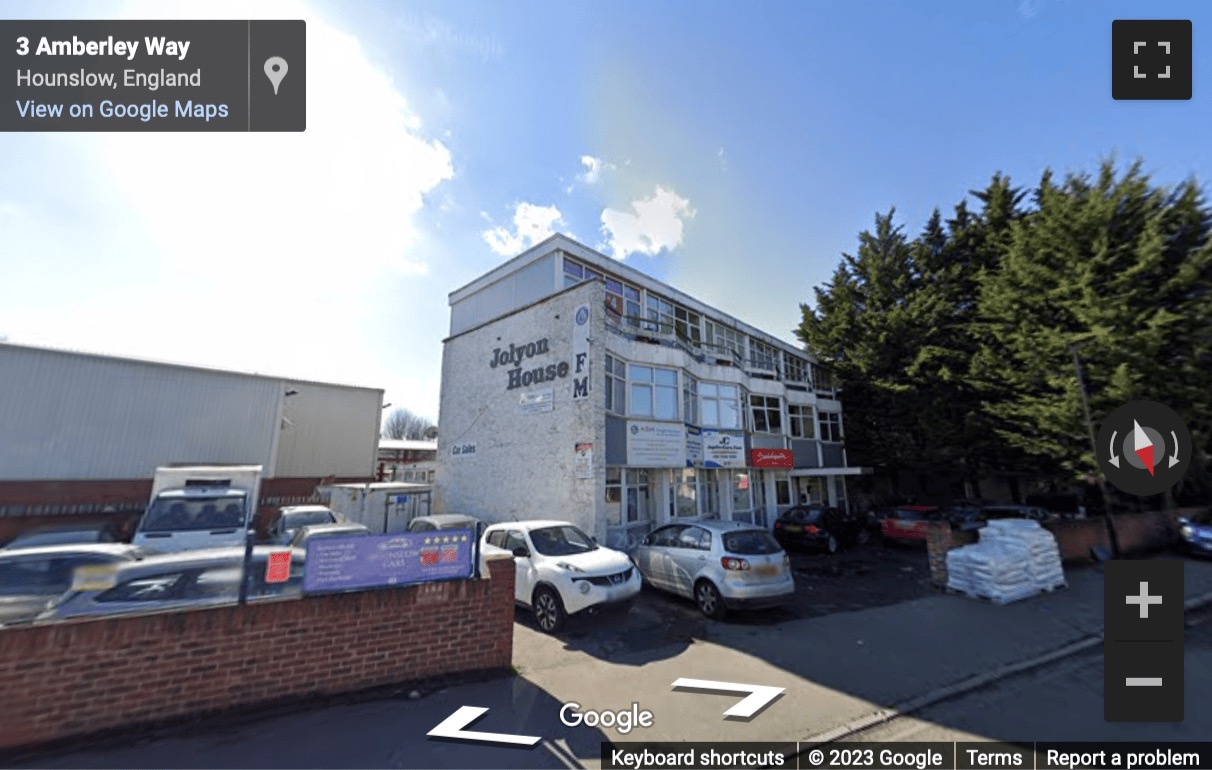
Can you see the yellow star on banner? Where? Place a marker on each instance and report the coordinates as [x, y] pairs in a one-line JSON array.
[[464, 538], [426, 541]]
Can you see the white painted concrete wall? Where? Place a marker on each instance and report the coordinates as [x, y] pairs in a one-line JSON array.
[[523, 464]]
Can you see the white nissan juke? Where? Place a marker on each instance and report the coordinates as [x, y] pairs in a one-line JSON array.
[[562, 571]]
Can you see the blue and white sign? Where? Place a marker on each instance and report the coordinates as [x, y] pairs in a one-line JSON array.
[[723, 448], [377, 561]]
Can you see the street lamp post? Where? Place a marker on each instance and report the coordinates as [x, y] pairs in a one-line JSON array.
[[1102, 479]]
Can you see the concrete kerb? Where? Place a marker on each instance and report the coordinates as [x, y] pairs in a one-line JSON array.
[[965, 686]]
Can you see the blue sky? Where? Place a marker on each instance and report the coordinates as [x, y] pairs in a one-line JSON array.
[[732, 149]]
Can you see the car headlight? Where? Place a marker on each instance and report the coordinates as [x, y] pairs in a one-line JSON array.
[[583, 586], [1186, 531], [569, 567]]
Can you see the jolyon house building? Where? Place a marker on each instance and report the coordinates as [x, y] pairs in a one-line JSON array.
[[575, 387]]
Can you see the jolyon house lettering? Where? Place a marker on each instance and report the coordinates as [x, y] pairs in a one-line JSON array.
[[522, 374]]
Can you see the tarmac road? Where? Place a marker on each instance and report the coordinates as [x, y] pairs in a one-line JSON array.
[[1056, 703]]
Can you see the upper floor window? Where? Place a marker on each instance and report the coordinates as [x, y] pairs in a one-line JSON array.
[[801, 421], [616, 385], [575, 272], [623, 301], [719, 405], [767, 414], [763, 356], [831, 427], [659, 314], [654, 392], [724, 339], [686, 325], [690, 400], [824, 379], [797, 370]]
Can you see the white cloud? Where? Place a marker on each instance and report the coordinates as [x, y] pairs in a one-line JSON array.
[[531, 224], [264, 251], [593, 169], [654, 224]]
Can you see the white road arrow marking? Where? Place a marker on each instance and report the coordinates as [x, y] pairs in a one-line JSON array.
[[1114, 457], [758, 698], [1174, 457], [452, 727]]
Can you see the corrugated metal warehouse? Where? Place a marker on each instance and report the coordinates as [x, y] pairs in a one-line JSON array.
[[82, 432]]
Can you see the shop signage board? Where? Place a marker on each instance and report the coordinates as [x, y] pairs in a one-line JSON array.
[[656, 444], [536, 401], [771, 458], [376, 561], [723, 448], [584, 460], [694, 446]]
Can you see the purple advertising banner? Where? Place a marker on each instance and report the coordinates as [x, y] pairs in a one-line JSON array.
[[374, 561]]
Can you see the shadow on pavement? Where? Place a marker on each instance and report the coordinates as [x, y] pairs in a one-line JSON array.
[[383, 733]]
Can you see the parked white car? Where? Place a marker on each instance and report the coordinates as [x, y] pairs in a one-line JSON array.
[[562, 571]]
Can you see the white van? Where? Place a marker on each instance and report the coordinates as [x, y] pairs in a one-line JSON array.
[[200, 507]]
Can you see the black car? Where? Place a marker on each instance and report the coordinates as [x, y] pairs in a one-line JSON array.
[[820, 527]]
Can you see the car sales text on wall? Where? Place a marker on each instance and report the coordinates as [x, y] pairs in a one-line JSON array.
[[524, 377]]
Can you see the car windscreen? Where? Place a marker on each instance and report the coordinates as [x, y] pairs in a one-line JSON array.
[[908, 515], [195, 513], [751, 542], [561, 541], [306, 518]]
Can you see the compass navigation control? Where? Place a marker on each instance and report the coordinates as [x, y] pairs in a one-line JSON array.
[[1144, 448]]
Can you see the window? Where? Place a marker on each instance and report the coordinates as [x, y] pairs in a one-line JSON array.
[[695, 538], [742, 492], [616, 385], [614, 496], [824, 379], [797, 370], [767, 414], [802, 422], [831, 427], [782, 488], [631, 305], [721, 339], [719, 405], [573, 273], [659, 314], [709, 493], [515, 540], [690, 400], [667, 537], [686, 324], [654, 392], [684, 500], [639, 501], [763, 356]]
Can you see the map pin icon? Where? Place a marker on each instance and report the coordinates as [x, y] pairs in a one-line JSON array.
[[275, 70]]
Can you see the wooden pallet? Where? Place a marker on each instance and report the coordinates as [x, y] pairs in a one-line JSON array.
[[999, 600]]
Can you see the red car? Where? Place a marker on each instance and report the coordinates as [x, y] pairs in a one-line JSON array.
[[907, 523]]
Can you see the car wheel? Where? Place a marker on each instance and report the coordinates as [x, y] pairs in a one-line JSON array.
[[831, 545], [549, 610], [864, 536], [708, 598]]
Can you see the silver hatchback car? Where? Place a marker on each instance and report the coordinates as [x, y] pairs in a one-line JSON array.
[[721, 565]]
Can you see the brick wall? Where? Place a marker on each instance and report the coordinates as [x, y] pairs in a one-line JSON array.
[[941, 538], [1136, 533], [82, 677]]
